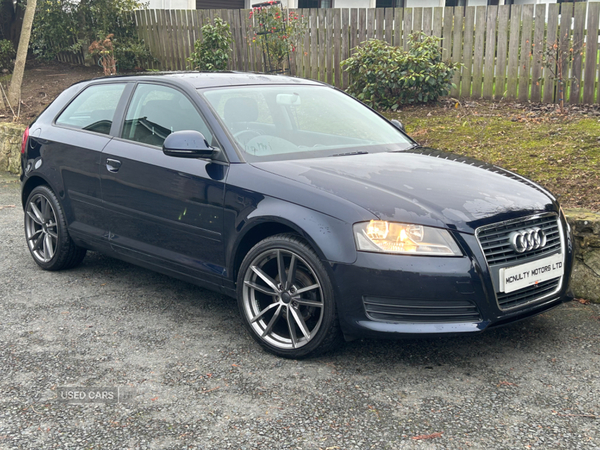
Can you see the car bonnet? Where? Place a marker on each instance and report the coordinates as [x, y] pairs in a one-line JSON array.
[[421, 186]]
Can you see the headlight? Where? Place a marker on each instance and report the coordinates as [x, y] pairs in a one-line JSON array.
[[402, 238]]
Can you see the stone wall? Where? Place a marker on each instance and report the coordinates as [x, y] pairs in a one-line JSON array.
[[11, 135], [585, 280]]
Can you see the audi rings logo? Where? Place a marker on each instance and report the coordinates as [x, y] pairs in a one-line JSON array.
[[526, 240]]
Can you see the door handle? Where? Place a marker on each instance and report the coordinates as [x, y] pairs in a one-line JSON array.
[[113, 165]]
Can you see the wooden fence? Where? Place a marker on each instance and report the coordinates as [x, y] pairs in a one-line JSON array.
[[499, 47]]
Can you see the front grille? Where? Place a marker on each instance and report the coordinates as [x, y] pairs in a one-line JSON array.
[[494, 240], [420, 311], [527, 295]]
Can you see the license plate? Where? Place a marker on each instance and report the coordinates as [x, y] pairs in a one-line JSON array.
[[529, 274]]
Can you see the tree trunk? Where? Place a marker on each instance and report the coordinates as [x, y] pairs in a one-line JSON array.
[[14, 92]]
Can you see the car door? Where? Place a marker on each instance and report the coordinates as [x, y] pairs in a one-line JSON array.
[[165, 211], [74, 143]]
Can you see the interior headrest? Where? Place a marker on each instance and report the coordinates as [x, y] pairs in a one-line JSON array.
[[241, 109]]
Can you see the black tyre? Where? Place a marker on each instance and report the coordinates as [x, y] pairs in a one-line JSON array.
[[46, 232], [286, 298]]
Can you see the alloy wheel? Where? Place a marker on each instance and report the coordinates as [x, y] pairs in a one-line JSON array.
[[282, 299], [41, 228]]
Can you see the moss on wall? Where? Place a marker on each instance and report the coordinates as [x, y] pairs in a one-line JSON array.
[[11, 135], [585, 280]]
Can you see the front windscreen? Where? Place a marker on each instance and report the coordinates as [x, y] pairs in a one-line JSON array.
[[289, 122]]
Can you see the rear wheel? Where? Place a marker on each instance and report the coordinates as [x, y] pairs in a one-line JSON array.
[[286, 298], [46, 232]]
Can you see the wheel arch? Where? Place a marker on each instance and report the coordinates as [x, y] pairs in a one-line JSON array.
[[261, 230], [30, 185], [331, 239]]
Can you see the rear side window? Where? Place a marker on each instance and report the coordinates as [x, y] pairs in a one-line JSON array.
[[93, 109]]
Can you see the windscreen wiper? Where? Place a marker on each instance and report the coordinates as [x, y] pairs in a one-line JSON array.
[[350, 154]]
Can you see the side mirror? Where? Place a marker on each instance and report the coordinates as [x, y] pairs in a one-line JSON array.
[[398, 125], [187, 144]]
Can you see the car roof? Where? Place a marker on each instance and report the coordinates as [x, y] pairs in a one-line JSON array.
[[200, 80]]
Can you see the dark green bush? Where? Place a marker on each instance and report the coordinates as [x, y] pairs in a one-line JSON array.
[[72, 25], [212, 51], [7, 55], [132, 54], [385, 77]]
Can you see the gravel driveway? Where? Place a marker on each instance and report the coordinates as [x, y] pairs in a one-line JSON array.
[[197, 380]]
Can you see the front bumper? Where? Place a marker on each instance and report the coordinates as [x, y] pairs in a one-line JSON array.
[[390, 296]]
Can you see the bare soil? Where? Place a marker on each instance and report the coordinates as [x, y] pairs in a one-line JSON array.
[[42, 83]]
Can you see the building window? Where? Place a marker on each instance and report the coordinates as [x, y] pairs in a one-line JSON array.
[[315, 3], [220, 4], [454, 3]]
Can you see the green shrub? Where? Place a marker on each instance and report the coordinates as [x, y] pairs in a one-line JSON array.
[[385, 77], [132, 54], [72, 25], [7, 54], [212, 51], [277, 33]]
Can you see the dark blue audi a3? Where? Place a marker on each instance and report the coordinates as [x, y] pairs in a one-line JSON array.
[[324, 219]]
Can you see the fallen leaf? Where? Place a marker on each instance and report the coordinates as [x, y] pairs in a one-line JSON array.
[[210, 390], [427, 436]]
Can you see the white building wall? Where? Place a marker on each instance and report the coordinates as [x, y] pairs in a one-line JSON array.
[[424, 3], [529, 2], [476, 2], [172, 4], [354, 3], [372, 3]]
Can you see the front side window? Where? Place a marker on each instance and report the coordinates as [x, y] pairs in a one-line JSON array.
[[93, 109], [157, 111]]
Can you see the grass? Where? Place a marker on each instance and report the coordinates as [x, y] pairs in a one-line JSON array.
[[560, 152]]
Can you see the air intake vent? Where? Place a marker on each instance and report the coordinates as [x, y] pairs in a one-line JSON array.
[[527, 295], [420, 311]]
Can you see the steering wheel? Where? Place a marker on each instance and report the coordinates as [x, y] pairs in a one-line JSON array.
[[244, 136], [265, 145]]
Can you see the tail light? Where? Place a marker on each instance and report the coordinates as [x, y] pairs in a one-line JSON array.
[[25, 138]]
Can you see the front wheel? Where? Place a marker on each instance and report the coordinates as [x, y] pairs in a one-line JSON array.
[[46, 232], [286, 298]]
